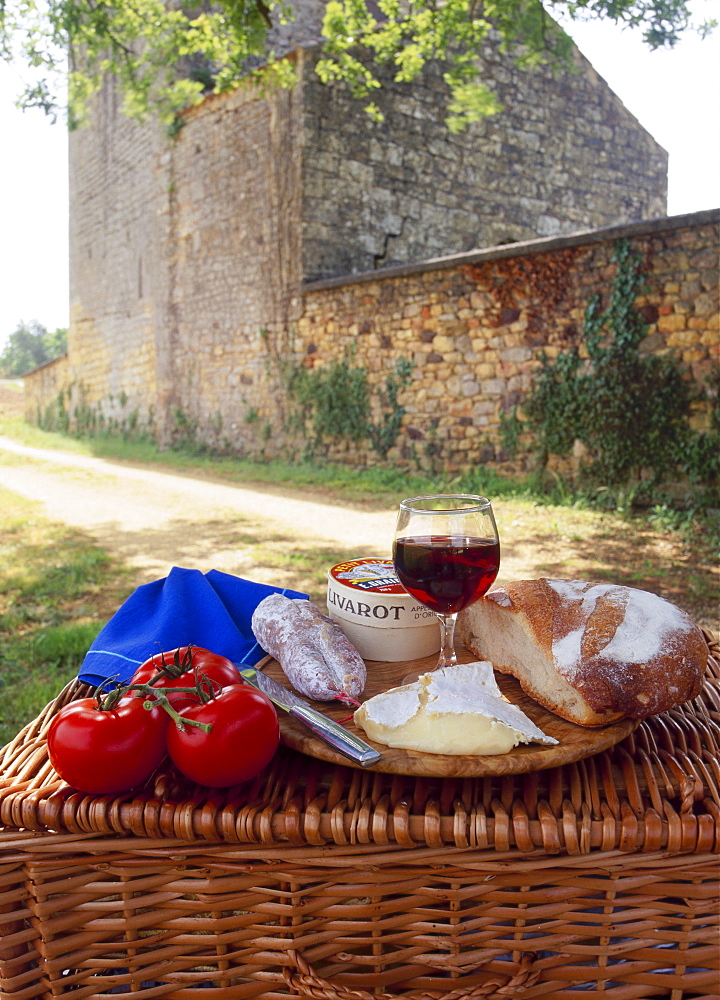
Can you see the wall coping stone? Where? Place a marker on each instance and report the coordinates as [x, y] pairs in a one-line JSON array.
[[542, 244], [45, 364]]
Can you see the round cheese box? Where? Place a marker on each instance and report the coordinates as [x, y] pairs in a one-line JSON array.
[[377, 614]]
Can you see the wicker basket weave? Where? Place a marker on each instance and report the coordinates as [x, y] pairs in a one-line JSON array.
[[599, 877]]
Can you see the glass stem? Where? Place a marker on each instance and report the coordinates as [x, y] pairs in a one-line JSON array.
[[447, 640]]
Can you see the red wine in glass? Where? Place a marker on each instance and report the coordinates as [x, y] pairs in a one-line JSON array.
[[446, 554], [444, 572]]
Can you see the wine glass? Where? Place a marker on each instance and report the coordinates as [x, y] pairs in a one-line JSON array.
[[446, 554]]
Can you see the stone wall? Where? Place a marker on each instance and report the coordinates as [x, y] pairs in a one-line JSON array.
[[474, 326], [563, 155], [181, 252], [119, 202], [234, 251], [42, 388]]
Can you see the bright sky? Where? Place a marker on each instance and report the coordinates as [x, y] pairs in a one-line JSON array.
[[675, 95]]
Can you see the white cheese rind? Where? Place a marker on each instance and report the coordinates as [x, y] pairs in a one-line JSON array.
[[456, 710], [393, 708]]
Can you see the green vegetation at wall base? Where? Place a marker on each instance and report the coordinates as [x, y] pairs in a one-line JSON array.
[[629, 411], [334, 403]]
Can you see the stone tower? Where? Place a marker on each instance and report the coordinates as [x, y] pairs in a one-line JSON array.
[[185, 253]]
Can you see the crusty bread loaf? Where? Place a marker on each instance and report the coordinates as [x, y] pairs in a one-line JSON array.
[[592, 653]]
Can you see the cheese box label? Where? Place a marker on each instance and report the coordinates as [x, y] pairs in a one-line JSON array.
[[368, 574]]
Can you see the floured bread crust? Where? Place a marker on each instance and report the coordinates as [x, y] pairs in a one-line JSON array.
[[590, 652]]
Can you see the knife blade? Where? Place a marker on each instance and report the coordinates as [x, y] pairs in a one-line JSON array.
[[330, 732]]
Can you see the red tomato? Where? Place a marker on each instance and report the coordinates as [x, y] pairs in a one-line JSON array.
[[186, 664], [243, 739], [107, 751]]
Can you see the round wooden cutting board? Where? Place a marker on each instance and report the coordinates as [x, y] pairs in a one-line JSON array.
[[574, 742]]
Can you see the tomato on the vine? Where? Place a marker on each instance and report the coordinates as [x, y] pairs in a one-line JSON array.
[[244, 737], [182, 666], [107, 750]]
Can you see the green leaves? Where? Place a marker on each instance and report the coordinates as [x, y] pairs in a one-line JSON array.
[[30, 346], [384, 433], [630, 410], [335, 402], [404, 39], [165, 57]]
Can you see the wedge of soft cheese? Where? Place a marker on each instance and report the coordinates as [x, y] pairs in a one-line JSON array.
[[455, 710]]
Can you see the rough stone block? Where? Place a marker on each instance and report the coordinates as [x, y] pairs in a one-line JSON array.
[[705, 304], [673, 323], [492, 387], [515, 354], [683, 338]]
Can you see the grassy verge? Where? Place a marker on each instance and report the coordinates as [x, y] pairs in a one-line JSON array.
[[57, 588]]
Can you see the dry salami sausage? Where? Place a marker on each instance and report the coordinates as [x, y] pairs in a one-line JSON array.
[[317, 658]]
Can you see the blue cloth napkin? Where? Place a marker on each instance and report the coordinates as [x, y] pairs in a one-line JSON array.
[[211, 610]]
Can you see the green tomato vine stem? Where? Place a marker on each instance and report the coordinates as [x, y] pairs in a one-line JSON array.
[[154, 698]]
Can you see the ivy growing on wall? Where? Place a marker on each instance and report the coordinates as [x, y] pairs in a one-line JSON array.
[[335, 402], [384, 432], [69, 412], [630, 410]]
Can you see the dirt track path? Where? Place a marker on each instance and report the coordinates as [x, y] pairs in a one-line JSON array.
[[154, 520], [159, 519]]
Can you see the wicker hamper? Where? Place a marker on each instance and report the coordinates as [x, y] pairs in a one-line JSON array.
[[599, 877]]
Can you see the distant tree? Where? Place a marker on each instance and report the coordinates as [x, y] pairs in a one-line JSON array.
[[166, 54], [29, 346]]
